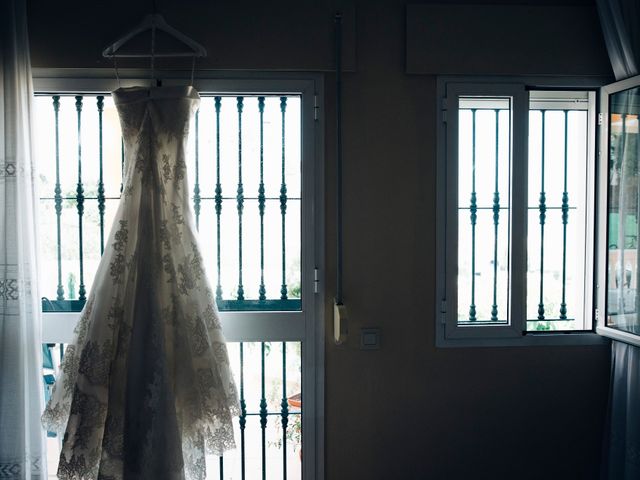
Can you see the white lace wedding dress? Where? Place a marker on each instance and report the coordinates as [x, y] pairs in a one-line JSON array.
[[146, 389]]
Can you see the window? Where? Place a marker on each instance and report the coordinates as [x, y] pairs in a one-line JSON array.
[[619, 198], [516, 183], [256, 184], [244, 170]]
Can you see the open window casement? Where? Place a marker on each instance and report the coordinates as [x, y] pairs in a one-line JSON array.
[[504, 107], [618, 232]]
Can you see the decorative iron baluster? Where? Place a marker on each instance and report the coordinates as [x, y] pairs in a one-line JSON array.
[[101, 199], [262, 292], [473, 216], [283, 201], [80, 201], [58, 196], [218, 198], [565, 220], [496, 219], [196, 188], [284, 410], [263, 414], [243, 412], [240, 199], [543, 216]]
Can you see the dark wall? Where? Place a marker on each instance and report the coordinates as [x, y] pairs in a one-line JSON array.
[[408, 410]]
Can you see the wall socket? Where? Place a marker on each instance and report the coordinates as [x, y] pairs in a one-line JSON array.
[[369, 339]]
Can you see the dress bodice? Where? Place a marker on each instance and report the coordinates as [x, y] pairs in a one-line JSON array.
[[155, 128], [173, 106]]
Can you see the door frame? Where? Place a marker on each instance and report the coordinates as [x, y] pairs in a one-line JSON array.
[[307, 325]]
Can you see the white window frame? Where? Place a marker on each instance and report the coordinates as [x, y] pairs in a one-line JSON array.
[[448, 332], [307, 325], [603, 188]]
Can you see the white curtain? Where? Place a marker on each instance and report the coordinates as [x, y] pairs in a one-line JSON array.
[[620, 20], [21, 391]]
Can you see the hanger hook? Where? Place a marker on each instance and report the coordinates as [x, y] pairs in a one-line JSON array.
[[155, 6]]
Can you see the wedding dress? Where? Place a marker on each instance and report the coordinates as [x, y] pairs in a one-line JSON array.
[[145, 390]]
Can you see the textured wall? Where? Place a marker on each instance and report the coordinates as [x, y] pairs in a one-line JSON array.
[[408, 410]]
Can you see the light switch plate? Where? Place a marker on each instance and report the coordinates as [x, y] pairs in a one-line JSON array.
[[369, 339]]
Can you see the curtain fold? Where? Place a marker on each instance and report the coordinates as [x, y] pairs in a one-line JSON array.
[[622, 436], [620, 26], [21, 391], [620, 20]]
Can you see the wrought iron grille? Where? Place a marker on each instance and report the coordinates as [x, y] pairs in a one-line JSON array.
[[244, 170], [558, 176], [268, 431], [484, 210]]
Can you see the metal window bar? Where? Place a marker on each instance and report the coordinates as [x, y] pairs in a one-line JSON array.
[[58, 196], [243, 413], [101, 199], [283, 303], [262, 292], [496, 219], [263, 414], [283, 201], [218, 197], [284, 410], [565, 218], [543, 216], [80, 202], [240, 199], [473, 217]]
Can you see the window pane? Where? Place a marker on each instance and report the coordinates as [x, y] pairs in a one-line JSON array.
[[283, 443], [623, 198], [557, 190], [484, 154], [250, 144]]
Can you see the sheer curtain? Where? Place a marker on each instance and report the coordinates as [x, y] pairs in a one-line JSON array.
[[620, 22], [21, 390]]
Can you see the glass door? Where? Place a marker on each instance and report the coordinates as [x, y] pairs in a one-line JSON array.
[[255, 183]]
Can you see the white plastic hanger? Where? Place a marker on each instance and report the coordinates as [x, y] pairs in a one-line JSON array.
[[154, 22]]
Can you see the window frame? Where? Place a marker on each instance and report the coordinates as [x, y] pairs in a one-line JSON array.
[[448, 332], [305, 325], [603, 223]]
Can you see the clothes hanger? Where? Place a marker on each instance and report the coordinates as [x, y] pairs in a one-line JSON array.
[[153, 22]]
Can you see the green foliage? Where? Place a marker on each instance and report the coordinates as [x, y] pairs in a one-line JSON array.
[[295, 290], [543, 326]]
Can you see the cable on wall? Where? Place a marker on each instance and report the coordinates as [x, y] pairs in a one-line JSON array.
[[339, 309]]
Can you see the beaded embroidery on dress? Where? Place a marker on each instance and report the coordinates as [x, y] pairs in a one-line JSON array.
[[146, 389]]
